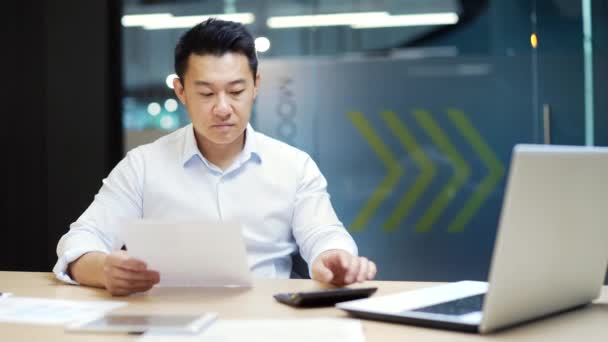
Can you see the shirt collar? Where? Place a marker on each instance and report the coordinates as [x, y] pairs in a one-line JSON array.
[[250, 150]]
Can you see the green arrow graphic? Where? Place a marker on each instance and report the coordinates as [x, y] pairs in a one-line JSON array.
[[427, 170], [461, 170], [384, 154], [493, 164]]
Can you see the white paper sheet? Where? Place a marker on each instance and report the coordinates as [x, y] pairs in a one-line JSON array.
[[5, 294], [292, 330], [50, 311], [195, 253]]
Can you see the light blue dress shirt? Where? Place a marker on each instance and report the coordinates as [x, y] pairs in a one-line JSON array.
[[276, 191]]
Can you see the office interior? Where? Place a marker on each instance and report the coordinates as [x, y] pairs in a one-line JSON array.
[[412, 123]]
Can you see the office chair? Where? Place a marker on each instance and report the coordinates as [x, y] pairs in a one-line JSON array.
[[299, 267]]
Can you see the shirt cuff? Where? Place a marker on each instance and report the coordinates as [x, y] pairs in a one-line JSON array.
[[61, 267]]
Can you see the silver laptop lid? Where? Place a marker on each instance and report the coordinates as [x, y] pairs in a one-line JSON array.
[[551, 249]]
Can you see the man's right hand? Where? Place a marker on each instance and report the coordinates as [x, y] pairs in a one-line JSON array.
[[124, 275], [117, 272]]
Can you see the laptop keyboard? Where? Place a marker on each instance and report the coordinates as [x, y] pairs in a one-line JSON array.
[[456, 307]]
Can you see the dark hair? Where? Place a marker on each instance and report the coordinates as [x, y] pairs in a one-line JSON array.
[[215, 37]]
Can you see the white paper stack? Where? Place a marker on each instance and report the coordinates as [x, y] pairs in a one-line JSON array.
[[50, 311], [292, 330]]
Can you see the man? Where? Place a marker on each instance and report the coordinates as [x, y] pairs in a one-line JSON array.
[[217, 168]]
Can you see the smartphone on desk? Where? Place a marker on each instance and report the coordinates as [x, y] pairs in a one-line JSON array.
[[327, 297]]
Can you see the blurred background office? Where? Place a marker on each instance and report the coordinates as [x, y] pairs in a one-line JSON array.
[[410, 108]]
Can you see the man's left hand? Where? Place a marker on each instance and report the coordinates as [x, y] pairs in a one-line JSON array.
[[339, 267]]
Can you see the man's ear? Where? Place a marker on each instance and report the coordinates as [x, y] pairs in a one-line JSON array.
[[256, 85], [178, 88]]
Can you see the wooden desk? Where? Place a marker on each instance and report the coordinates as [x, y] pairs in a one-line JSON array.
[[587, 324]]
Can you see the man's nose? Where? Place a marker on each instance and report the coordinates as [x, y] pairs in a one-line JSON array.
[[222, 107]]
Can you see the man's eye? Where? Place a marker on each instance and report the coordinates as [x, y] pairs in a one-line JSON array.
[[238, 92], [206, 94]]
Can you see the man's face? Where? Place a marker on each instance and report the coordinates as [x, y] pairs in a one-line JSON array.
[[218, 92]]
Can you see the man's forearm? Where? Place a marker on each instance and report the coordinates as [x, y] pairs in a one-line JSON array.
[[88, 269]]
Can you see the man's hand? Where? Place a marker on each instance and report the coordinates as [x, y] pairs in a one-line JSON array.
[[339, 267], [124, 275]]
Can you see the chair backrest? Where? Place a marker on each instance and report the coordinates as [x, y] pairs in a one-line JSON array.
[[299, 267]]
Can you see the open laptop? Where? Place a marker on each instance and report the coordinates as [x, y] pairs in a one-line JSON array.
[[550, 255]]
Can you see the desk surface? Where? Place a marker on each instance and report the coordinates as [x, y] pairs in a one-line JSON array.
[[589, 323]]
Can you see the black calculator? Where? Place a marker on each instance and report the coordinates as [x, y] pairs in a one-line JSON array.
[[327, 297]]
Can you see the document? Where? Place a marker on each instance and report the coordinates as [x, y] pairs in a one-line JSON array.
[[191, 253], [293, 330], [50, 311]]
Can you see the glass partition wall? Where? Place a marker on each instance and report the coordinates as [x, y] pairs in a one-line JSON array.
[[410, 108]]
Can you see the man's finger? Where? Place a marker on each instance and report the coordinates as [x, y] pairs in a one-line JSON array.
[[143, 288], [322, 273], [371, 273], [132, 264], [130, 284], [353, 269], [343, 259], [336, 260], [121, 273], [121, 259], [363, 268], [123, 291], [154, 276]]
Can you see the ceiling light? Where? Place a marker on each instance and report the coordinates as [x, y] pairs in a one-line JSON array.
[[171, 105], [132, 20], [315, 20], [262, 44], [169, 80], [426, 19], [159, 21], [154, 109], [189, 21]]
